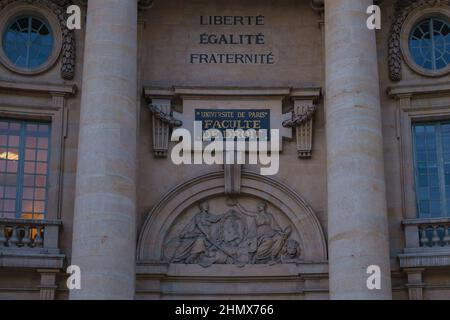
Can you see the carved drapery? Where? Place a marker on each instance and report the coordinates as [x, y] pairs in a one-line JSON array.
[[402, 9], [68, 51]]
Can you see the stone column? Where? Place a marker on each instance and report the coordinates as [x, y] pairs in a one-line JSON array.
[[105, 202], [357, 219]]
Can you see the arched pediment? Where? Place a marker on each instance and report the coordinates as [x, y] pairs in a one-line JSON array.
[[230, 229]]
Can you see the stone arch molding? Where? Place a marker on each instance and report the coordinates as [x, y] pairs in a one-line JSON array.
[[299, 221]]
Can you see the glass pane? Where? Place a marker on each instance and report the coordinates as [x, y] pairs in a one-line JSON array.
[[12, 166], [27, 206], [41, 181], [42, 155], [28, 193], [30, 155], [39, 206], [31, 142], [15, 126], [39, 194], [429, 44], [32, 127], [30, 167], [427, 166], [13, 141], [42, 143], [23, 177], [10, 193], [28, 180], [9, 205], [28, 42]]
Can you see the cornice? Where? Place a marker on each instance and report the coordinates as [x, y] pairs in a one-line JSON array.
[[318, 5], [142, 4]]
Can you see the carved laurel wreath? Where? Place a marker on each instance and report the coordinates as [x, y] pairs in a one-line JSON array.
[[57, 7], [165, 117], [301, 118], [402, 9]]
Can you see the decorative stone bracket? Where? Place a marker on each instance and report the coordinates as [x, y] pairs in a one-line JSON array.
[[301, 116], [302, 119], [160, 104]]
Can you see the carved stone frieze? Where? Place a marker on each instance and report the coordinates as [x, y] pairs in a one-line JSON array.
[[237, 236], [163, 119]]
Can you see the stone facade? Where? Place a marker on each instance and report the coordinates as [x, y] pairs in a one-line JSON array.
[[140, 227]]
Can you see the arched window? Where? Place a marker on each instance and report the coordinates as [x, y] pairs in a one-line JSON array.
[[28, 42], [429, 44]]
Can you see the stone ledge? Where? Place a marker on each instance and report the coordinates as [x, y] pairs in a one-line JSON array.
[[69, 89], [231, 271], [425, 259], [419, 90], [312, 93], [11, 259]]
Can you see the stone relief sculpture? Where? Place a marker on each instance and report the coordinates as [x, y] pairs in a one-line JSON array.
[[292, 252], [238, 236]]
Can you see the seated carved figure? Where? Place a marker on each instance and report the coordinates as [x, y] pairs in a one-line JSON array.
[[196, 238], [268, 237]]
